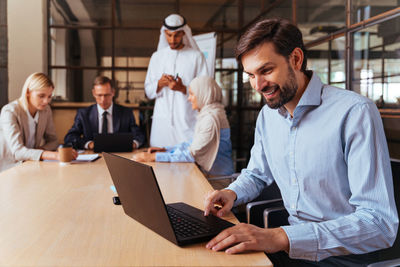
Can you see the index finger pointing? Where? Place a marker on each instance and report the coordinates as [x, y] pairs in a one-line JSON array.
[[209, 203]]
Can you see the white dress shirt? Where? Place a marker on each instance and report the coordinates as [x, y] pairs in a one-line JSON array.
[[100, 111], [32, 123]]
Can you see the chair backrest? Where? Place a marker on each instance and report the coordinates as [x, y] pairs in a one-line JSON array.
[[270, 197], [394, 251]]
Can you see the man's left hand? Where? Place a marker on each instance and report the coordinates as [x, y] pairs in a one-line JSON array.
[[177, 85], [247, 237]]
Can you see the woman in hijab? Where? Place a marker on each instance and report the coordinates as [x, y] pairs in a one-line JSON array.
[[26, 124], [211, 146]]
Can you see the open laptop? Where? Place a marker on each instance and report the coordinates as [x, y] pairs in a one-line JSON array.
[[115, 142], [142, 200]]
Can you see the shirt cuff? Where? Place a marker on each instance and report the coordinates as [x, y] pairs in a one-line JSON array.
[[136, 143], [162, 157], [87, 145], [303, 243], [239, 194], [160, 94], [38, 154]]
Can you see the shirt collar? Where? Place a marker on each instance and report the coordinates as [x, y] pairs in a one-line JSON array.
[[312, 94], [101, 110], [310, 97], [35, 118]]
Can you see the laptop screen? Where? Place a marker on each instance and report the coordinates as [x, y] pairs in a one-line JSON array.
[[140, 194], [116, 142]]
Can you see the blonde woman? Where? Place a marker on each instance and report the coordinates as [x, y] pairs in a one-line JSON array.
[[26, 124], [211, 146]]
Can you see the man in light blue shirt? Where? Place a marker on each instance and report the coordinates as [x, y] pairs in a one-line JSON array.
[[324, 147]]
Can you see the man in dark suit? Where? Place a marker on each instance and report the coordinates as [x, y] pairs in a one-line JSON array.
[[103, 117]]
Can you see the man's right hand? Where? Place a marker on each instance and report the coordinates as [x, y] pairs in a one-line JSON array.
[[163, 81], [91, 145], [223, 198]]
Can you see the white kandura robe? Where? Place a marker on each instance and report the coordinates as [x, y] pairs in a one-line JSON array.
[[173, 117]]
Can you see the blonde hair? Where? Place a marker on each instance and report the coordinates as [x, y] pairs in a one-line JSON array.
[[35, 81]]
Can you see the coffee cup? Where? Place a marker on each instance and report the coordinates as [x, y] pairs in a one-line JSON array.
[[65, 154]]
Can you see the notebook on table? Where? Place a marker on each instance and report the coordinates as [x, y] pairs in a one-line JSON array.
[[142, 200], [115, 142]]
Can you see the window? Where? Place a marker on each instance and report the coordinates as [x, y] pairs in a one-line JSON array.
[[376, 59], [117, 37]]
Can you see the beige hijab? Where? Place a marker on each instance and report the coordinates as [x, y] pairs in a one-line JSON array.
[[210, 120]]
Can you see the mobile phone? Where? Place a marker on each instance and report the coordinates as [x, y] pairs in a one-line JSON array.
[[116, 201]]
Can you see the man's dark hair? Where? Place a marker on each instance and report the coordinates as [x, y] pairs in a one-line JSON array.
[[284, 35], [100, 80]]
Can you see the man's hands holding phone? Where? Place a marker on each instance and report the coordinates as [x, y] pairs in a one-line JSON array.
[[174, 83]]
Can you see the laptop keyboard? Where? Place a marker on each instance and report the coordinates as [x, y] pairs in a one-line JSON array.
[[186, 226]]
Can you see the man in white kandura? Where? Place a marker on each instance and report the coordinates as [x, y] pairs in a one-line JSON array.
[[172, 67]]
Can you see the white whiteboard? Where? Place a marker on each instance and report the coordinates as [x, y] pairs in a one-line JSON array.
[[207, 43]]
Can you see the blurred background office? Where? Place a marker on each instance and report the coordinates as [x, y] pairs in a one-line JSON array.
[[353, 44]]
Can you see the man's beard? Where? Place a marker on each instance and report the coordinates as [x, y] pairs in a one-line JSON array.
[[175, 45], [287, 92]]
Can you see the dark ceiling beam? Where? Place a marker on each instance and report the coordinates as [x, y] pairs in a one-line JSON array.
[[214, 29], [177, 7], [215, 16], [90, 27], [65, 11], [294, 12], [262, 13], [118, 11]]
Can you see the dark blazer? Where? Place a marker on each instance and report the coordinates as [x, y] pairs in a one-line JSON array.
[[87, 124]]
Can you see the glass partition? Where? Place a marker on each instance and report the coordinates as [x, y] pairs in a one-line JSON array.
[[80, 13], [365, 9], [376, 72], [111, 37], [130, 13], [83, 48], [328, 61], [317, 18]]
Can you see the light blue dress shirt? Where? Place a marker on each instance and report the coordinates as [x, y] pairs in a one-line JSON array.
[[332, 166], [222, 165]]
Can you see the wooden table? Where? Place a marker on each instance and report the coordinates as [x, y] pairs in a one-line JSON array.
[[55, 215]]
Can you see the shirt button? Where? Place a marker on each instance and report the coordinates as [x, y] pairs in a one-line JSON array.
[[292, 206], [293, 128], [294, 181]]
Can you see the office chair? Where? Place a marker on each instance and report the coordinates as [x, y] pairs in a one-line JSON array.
[[267, 209]]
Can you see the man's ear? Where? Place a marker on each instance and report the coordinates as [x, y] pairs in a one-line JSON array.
[[296, 58]]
